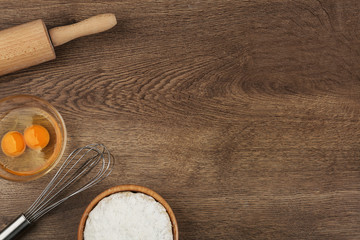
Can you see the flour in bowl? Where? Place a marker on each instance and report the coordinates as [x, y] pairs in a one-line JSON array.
[[130, 216]]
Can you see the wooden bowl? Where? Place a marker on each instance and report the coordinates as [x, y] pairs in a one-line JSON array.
[[128, 188]]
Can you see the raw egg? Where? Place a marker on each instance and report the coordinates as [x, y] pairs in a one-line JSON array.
[[12, 144], [36, 137]]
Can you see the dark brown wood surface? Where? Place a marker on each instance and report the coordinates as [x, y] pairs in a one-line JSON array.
[[243, 115]]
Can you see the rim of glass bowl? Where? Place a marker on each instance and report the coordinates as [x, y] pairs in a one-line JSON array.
[[63, 132]]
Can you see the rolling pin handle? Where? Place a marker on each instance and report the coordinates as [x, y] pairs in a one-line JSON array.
[[96, 24]]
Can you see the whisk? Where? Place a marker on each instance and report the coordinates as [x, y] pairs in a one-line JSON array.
[[79, 163]]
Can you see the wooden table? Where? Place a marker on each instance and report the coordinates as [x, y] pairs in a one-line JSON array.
[[243, 115]]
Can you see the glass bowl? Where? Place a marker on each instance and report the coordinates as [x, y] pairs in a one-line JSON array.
[[16, 114]]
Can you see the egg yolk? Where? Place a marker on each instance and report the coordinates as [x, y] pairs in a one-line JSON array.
[[36, 137], [12, 144]]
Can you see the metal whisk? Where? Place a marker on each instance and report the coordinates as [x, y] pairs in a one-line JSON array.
[[79, 163]]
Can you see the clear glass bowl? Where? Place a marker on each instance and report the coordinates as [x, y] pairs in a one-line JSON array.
[[17, 113]]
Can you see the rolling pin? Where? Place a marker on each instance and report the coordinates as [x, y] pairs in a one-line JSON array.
[[31, 43]]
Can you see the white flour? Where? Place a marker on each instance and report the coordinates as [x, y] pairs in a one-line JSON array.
[[130, 216]]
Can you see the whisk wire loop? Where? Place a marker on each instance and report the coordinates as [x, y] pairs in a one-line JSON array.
[[77, 165]]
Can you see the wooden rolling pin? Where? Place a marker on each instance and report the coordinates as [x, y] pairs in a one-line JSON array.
[[31, 43]]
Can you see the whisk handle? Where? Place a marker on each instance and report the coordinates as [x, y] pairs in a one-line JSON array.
[[14, 228]]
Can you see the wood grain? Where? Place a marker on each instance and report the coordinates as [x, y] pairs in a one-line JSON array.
[[243, 115]]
